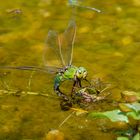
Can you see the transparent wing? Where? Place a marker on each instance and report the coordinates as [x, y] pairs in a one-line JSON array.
[[67, 40], [73, 2], [78, 4], [52, 52], [33, 68]]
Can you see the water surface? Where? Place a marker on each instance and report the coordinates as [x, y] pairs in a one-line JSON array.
[[107, 44]]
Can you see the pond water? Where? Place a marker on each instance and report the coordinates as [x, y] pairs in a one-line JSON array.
[[107, 45]]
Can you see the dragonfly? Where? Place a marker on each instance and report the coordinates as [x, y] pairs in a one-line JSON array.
[[57, 58], [75, 3]]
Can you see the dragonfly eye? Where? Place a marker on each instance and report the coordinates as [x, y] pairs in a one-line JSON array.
[[81, 72]]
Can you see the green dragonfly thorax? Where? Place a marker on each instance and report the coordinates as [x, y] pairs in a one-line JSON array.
[[71, 73]]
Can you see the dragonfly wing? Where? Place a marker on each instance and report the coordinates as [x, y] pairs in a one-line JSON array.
[[33, 68], [52, 55], [52, 69], [68, 39]]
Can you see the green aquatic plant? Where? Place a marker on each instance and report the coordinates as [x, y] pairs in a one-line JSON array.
[[132, 110], [127, 111], [122, 138], [135, 137], [135, 107], [114, 116], [134, 115]]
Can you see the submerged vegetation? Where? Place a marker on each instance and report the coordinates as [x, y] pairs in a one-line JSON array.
[[106, 44]]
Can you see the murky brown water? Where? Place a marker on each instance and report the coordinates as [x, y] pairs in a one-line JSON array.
[[107, 44]]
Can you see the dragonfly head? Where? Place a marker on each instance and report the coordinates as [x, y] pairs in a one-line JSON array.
[[81, 73]]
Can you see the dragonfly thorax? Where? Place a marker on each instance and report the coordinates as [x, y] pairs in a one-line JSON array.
[[81, 73]]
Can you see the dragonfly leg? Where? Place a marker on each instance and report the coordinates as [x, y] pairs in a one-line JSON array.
[[73, 88], [59, 93], [77, 82], [88, 82]]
